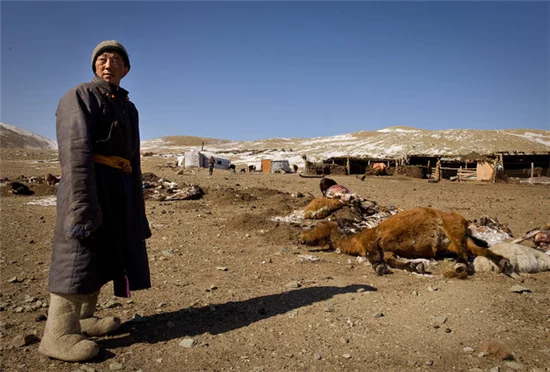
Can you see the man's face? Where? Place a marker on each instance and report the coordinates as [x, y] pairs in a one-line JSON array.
[[110, 67]]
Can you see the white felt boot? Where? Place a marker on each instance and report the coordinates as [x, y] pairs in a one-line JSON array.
[[92, 325], [62, 336]]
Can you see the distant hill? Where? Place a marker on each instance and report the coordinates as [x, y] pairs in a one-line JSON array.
[[392, 142], [12, 137], [183, 141]]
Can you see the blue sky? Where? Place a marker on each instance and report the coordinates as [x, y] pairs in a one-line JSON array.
[[255, 70]]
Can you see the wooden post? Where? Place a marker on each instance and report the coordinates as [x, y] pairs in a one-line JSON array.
[[348, 166], [532, 172]]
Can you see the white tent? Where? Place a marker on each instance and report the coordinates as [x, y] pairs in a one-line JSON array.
[[280, 165]]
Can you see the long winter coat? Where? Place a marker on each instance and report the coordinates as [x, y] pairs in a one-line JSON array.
[[101, 225]]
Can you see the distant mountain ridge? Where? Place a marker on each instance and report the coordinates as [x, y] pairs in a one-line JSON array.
[[12, 137], [392, 142]]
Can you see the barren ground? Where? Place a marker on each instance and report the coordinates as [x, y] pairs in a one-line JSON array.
[[228, 277]]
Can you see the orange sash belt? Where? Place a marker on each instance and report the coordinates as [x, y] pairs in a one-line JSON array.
[[114, 162]]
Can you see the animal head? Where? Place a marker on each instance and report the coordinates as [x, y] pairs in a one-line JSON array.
[[542, 238], [320, 234], [325, 184]]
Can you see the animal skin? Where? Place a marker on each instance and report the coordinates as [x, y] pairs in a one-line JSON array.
[[542, 238], [51, 180], [413, 233], [320, 208], [524, 259], [19, 189], [325, 184]]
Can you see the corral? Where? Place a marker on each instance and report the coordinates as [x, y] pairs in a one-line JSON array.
[[492, 167]]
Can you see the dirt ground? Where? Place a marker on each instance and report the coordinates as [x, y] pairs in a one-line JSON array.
[[234, 291]]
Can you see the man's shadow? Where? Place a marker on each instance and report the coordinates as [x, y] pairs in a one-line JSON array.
[[220, 319]]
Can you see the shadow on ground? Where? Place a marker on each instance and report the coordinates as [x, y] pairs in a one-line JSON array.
[[220, 319]]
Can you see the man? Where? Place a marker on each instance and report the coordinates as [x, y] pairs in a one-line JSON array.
[[211, 163], [101, 225]]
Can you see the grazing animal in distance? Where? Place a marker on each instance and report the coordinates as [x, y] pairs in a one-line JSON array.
[[231, 167], [252, 168], [537, 172], [414, 233], [295, 167], [379, 169], [325, 184]]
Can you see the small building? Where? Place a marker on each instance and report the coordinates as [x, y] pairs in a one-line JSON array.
[[275, 166], [199, 159]]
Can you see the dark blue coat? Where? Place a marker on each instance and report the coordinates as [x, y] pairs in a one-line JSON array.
[[101, 225]]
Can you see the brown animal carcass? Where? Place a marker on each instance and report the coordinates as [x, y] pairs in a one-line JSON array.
[[413, 233], [51, 180]]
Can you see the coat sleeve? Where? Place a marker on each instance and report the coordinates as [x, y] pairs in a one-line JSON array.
[[137, 177], [76, 115]]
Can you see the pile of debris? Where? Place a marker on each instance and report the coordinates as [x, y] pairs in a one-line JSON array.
[[352, 212], [160, 189], [20, 186]]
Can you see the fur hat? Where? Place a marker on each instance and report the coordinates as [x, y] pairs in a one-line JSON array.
[[110, 45]]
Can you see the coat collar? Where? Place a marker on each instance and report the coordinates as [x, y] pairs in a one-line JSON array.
[[108, 88]]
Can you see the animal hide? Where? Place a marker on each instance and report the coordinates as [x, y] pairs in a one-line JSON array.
[[320, 208], [338, 192], [522, 258]]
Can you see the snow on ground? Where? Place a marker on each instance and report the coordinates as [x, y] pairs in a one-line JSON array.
[[383, 143], [536, 137], [397, 130], [48, 201]]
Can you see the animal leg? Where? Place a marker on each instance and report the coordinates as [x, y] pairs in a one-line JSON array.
[[503, 263], [461, 271], [392, 260], [319, 235], [463, 267], [376, 259]]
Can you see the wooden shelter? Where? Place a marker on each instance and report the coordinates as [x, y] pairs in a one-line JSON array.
[[468, 167]]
